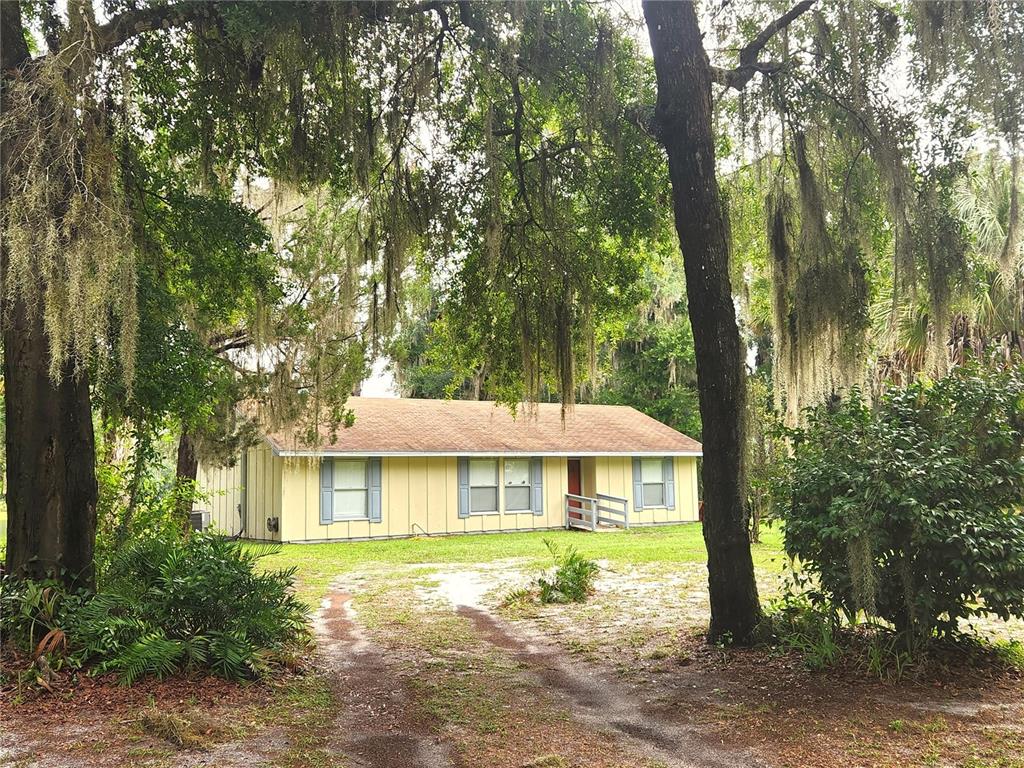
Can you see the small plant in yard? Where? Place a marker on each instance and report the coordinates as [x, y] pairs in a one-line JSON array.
[[571, 581], [188, 731], [1011, 652], [166, 603], [886, 658], [801, 627], [518, 598], [573, 578]]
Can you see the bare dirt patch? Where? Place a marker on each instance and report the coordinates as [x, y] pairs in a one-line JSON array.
[[420, 667], [379, 726], [96, 722], [643, 628], [483, 699], [599, 699]]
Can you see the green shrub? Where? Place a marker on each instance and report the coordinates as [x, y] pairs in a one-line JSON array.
[[886, 658], [139, 498], [168, 603], [801, 627], [573, 579], [910, 509]]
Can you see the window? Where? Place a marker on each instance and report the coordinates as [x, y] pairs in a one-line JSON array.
[[350, 489], [517, 485], [653, 482], [483, 485]]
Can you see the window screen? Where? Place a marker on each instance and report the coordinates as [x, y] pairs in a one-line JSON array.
[[653, 482], [349, 489], [483, 485], [517, 485]]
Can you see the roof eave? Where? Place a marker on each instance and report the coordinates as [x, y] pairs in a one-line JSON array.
[[374, 454]]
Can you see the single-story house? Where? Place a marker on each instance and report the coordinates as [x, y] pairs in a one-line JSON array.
[[410, 467]]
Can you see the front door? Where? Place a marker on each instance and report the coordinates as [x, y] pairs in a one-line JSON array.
[[575, 486]]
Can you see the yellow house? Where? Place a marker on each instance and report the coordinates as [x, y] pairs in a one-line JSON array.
[[411, 467]]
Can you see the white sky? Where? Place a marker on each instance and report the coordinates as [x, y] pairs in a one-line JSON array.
[[380, 383]]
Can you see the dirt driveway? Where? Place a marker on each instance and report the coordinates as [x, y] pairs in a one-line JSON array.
[[450, 683], [627, 679], [420, 666]]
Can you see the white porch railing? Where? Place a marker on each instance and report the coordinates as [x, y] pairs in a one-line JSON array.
[[587, 513], [612, 510]]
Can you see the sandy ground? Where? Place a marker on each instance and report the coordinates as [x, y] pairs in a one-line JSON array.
[[423, 667]]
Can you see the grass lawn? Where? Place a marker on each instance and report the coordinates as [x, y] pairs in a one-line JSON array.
[[419, 653], [636, 645], [319, 564]]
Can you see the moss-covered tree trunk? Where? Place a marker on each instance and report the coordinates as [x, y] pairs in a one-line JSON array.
[[684, 124], [51, 480], [186, 472]]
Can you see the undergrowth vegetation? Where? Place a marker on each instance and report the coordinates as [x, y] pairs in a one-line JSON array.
[[907, 510], [167, 603], [571, 579], [824, 640]]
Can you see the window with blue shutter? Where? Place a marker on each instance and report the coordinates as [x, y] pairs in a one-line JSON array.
[[350, 489], [654, 484]]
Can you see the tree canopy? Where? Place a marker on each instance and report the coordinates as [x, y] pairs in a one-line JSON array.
[[218, 212]]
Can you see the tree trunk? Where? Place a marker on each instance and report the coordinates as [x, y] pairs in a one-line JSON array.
[[51, 479], [186, 473], [684, 123]]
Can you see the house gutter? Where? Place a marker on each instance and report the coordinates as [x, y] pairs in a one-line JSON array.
[[524, 454]]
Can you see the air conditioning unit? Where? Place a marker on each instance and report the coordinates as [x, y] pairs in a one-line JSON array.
[[200, 519]]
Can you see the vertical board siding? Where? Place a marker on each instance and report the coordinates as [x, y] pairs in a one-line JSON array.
[[421, 494], [222, 487], [615, 477], [437, 499], [396, 516], [419, 499], [418, 494], [589, 485], [255, 519], [263, 492]]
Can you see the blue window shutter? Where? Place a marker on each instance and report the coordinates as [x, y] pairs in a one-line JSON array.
[[374, 470], [537, 485], [668, 476], [326, 491], [638, 485], [463, 486]]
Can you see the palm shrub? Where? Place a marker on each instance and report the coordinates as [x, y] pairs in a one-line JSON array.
[[174, 602], [573, 577], [909, 509]]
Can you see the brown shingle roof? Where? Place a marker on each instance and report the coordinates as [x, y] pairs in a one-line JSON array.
[[408, 426]]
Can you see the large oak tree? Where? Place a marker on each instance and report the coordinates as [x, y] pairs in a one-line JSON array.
[[684, 124]]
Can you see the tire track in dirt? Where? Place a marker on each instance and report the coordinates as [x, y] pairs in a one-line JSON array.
[[378, 726], [601, 703]]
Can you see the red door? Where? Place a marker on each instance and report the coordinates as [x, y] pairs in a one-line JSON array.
[[575, 486]]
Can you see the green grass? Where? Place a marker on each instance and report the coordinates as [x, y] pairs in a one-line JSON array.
[[318, 564], [3, 522]]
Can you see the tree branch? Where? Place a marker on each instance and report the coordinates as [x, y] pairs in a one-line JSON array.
[[137, 21], [750, 52], [129, 24], [749, 65]]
